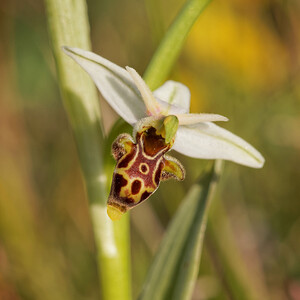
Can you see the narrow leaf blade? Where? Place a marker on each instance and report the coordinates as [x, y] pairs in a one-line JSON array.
[[175, 266]]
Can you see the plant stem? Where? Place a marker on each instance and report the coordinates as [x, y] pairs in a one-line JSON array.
[[169, 49], [68, 25]]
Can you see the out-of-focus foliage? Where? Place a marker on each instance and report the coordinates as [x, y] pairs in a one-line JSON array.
[[241, 60]]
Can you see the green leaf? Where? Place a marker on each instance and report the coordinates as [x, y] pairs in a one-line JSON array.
[[175, 267], [170, 47]]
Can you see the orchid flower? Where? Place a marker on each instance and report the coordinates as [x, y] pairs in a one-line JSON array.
[[131, 98]]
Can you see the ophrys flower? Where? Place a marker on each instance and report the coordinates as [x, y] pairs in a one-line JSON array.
[[131, 98]]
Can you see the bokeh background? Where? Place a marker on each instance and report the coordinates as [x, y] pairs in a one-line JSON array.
[[241, 60]]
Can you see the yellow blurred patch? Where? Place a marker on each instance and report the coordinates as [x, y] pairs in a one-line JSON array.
[[240, 43]]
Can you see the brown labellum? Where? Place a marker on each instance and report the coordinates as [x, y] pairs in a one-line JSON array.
[[141, 165]]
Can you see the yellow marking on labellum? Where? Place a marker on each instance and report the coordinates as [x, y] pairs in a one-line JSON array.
[[144, 168], [114, 213]]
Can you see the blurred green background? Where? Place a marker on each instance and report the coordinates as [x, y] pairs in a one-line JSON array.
[[241, 60]]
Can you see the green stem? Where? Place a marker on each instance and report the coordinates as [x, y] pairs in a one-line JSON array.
[[171, 45], [155, 20], [68, 25]]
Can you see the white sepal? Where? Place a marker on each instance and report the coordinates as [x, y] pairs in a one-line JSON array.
[[114, 83], [174, 93], [209, 141]]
